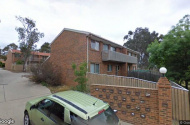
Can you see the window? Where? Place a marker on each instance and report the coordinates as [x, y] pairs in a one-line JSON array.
[[105, 47], [17, 55], [44, 106], [107, 117], [44, 57], [134, 68], [117, 68], [57, 113], [128, 68], [94, 68], [52, 109], [113, 48], [95, 45], [109, 68], [129, 54]]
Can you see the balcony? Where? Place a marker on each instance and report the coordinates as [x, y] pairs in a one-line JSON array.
[[117, 57]]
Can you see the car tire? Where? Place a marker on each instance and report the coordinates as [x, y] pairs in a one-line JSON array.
[[26, 119]]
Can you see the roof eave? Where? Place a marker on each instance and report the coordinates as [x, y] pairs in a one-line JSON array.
[[67, 29], [110, 42]]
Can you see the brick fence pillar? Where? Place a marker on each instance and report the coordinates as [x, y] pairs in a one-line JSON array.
[[164, 101]]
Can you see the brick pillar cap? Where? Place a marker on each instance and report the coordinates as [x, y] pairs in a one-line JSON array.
[[163, 82]]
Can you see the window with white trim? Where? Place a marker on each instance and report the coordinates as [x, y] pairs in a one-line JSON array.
[[95, 45], [94, 68]]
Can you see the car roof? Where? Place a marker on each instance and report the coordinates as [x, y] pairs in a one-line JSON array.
[[81, 104]]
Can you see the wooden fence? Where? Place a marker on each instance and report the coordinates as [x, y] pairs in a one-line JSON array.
[[180, 103], [119, 80], [180, 95]]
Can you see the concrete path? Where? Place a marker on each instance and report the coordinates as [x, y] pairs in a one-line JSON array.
[[15, 91]]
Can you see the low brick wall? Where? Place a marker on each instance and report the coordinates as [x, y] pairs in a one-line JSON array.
[[134, 105], [17, 68]]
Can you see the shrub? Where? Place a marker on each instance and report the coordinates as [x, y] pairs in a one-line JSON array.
[[2, 64], [19, 62], [80, 77], [44, 83], [45, 74]]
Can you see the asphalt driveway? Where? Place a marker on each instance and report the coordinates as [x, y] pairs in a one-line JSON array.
[[15, 91]]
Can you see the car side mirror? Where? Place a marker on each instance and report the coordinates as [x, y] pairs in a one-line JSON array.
[[115, 110], [32, 107]]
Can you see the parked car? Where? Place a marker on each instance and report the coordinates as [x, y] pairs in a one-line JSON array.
[[69, 108]]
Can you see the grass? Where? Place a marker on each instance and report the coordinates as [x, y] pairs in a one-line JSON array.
[[53, 89]]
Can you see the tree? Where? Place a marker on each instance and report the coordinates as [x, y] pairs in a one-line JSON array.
[[45, 48], [138, 41], [3, 57], [8, 47], [28, 35], [173, 52], [80, 76]]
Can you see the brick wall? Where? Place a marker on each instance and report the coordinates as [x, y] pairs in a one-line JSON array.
[[9, 61], [133, 104], [17, 68], [68, 48], [165, 101], [138, 105]]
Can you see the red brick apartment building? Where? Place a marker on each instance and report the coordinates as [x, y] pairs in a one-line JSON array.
[[102, 56], [14, 55]]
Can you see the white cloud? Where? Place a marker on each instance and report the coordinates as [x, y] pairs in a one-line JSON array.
[[111, 19]]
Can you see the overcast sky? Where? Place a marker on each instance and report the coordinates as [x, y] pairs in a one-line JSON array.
[[111, 19]]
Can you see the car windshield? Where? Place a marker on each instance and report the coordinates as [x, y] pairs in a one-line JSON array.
[[108, 117]]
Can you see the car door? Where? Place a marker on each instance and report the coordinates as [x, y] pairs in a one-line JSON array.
[[40, 115], [57, 114]]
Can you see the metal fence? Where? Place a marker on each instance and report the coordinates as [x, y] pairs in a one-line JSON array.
[[145, 74]]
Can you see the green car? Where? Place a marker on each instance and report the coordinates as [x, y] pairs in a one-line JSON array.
[[69, 108]]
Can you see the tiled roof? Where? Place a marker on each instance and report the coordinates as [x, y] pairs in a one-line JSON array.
[[35, 53]]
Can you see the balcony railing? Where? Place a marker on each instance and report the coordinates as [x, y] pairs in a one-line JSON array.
[[108, 55]]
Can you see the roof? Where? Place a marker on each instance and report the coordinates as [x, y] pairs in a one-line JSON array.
[[89, 34], [1, 60], [81, 104], [34, 53], [130, 50]]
